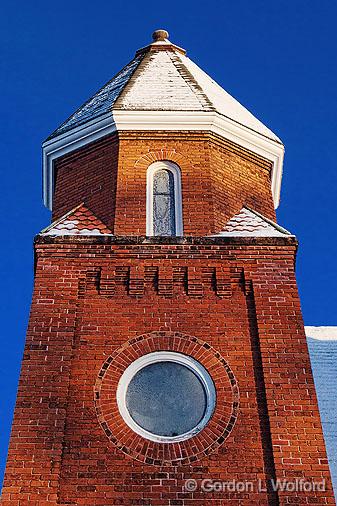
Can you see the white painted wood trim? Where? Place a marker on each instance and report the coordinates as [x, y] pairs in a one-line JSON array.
[[163, 121], [67, 143]]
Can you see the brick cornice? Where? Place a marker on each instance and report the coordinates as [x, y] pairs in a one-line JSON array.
[[174, 241]]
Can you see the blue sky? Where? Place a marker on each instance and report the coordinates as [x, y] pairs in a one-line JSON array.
[[277, 58]]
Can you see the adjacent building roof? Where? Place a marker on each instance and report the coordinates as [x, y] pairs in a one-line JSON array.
[[249, 223], [322, 344]]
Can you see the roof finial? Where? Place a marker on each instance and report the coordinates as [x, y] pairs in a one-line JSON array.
[[161, 43], [160, 35]]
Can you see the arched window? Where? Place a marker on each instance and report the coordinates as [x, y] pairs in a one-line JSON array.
[[164, 220], [163, 213]]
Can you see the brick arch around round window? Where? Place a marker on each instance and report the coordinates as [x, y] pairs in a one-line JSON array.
[[207, 441]]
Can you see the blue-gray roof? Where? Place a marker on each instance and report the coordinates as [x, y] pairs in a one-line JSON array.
[[102, 102]]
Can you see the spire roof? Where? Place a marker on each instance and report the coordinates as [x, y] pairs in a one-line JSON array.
[[161, 89], [162, 78]]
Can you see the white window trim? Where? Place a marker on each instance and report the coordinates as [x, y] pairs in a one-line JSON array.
[[175, 170], [165, 356]]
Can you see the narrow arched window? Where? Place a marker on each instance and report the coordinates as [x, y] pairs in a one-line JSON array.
[[164, 222], [163, 200]]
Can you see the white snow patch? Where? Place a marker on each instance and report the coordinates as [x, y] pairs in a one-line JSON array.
[[322, 333], [159, 85], [69, 227], [224, 103], [248, 223]]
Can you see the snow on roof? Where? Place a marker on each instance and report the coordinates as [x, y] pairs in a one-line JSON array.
[[79, 221], [322, 333], [162, 78], [249, 223], [160, 83], [223, 102]]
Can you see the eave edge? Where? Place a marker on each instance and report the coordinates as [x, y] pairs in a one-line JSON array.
[[120, 120]]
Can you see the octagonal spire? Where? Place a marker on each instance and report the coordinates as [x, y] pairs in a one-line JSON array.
[[162, 89]]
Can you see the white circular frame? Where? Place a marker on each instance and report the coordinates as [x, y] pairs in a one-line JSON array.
[[165, 356]]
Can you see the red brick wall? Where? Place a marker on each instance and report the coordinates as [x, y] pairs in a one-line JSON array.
[[193, 160], [218, 178], [239, 178], [90, 298], [88, 175]]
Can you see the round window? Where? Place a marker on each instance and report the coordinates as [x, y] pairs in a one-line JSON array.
[[166, 396]]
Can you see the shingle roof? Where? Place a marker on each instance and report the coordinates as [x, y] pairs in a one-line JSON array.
[[161, 83], [162, 78], [102, 102], [249, 223], [79, 221]]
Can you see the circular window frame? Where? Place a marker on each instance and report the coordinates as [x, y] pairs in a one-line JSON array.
[[166, 356]]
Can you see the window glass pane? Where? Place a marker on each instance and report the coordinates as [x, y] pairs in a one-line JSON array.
[[163, 203], [166, 399], [163, 215], [161, 183]]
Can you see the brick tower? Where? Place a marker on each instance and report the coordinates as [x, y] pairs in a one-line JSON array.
[[166, 361]]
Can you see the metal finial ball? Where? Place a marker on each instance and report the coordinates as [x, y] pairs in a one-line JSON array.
[[159, 35]]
